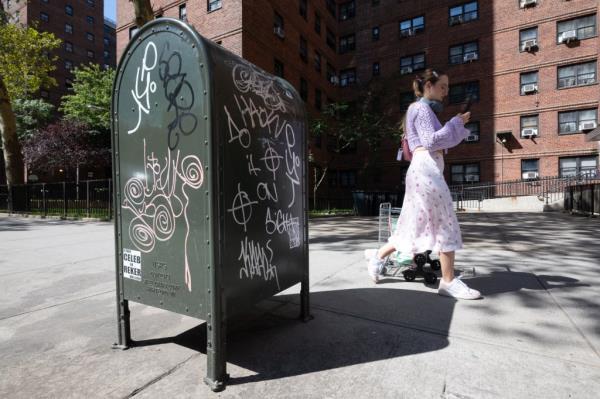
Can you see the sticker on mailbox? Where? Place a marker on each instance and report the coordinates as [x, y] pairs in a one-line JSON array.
[[132, 264]]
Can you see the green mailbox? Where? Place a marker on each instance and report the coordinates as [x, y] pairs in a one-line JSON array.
[[210, 156]]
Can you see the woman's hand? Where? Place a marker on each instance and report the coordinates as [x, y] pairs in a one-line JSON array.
[[465, 117]]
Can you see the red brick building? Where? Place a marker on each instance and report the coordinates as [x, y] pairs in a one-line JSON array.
[[87, 37], [531, 65]]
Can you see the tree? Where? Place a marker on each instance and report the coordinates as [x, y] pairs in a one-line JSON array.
[[347, 125], [31, 115], [65, 144], [90, 100], [24, 69], [143, 12]]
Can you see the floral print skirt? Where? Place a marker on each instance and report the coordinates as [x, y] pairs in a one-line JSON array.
[[427, 220]]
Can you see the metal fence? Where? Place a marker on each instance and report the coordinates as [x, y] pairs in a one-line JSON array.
[[90, 198], [583, 198], [548, 189]]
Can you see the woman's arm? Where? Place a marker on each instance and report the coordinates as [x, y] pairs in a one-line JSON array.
[[450, 135]]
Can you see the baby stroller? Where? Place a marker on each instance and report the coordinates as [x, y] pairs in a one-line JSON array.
[[409, 265]]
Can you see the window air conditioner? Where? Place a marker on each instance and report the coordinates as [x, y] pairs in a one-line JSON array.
[[529, 132], [530, 175], [529, 45], [530, 88], [568, 36], [278, 30], [587, 125], [470, 57]]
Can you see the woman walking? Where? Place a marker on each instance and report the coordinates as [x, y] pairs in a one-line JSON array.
[[427, 220]]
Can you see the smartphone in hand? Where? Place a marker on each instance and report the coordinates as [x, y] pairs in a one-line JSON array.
[[467, 106]]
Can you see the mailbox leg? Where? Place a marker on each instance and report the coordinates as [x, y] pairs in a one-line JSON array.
[[124, 324], [304, 301], [217, 376]]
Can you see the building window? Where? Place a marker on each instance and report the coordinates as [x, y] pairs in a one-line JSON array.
[[90, 20], [183, 12], [330, 6], [412, 63], [89, 36], [529, 83], [331, 75], [347, 77], [106, 42], [375, 33], [460, 92], [69, 28], [90, 54], [317, 23], [214, 5], [132, 31], [45, 1], [303, 49], [347, 10], [44, 17], [91, 3], [318, 99], [530, 169], [106, 66], [464, 53], [68, 65], [528, 39], [303, 89], [317, 61], [68, 47], [278, 25], [406, 99], [530, 126], [347, 178], [473, 127], [69, 10], [577, 75], [330, 39], [376, 69], [466, 173], [578, 166], [463, 13], [278, 68], [347, 43], [411, 27], [303, 9], [106, 54], [577, 121], [577, 28]]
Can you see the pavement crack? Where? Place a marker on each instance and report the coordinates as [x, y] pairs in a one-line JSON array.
[[56, 305], [160, 377]]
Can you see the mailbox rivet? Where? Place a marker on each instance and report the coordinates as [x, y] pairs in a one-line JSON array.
[[186, 309], [201, 65], [207, 242], [209, 291], [206, 142], [205, 116], [205, 93], [161, 302], [193, 46]]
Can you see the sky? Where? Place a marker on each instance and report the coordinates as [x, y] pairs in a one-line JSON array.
[[110, 9]]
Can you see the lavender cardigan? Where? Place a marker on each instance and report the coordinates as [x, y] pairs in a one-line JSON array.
[[425, 130]]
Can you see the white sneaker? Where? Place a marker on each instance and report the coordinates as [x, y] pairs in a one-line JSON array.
[[457, 289], [375, 266]]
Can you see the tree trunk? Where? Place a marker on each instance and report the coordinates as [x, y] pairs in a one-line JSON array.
[[143, 12], [13, 159]]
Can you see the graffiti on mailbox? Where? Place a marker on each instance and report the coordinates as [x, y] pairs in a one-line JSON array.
[[158, 199], [273, 164]]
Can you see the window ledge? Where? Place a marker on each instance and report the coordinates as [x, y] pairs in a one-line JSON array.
[[577, 86]]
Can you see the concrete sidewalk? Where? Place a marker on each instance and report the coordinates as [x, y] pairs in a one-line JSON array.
[[536, 333]]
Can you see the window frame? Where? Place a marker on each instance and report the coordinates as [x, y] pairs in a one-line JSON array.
[[462, 19], [213, 5], [576, 76], [577, 122], [413, 30], [529, 126], [462, 52], [349, 46], [464, 173]]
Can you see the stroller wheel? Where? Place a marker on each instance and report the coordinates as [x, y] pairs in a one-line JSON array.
[[435, 264], [409, 275], [430, 278], [420, 259]]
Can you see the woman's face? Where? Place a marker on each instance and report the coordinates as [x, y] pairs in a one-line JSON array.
[[437, 91]]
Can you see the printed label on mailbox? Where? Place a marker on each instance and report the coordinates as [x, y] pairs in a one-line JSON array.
[[132, 264]]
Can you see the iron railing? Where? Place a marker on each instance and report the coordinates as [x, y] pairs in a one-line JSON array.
[[90, 198]]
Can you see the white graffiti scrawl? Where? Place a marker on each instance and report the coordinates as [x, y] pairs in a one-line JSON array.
[[158, 199], [142, 77]]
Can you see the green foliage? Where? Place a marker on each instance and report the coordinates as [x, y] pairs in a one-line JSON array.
[[90, 100], [31, 115], [24, 61]]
